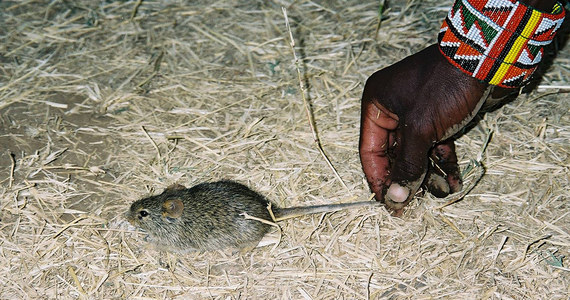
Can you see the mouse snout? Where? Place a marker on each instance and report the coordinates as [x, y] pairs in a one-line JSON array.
[[130, 217]]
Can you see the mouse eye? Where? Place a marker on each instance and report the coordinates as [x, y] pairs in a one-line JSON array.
[[142, 214]]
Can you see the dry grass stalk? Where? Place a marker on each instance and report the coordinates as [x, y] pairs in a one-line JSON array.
[[306, 104]]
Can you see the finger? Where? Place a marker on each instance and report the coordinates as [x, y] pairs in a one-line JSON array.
[[409, 168], [435, 183], [375, 126], [445, 165]]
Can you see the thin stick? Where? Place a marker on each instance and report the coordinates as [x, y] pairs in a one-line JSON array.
[[380, 13], [448, 222], [271, 213], [308, 110], [12, 168], [77, 282], [555, 87], [250, 217], [534, 242], [155, 71], [501, 245], [135, 9], [459, 196], [153, 143], [68, 225], [473, 164]]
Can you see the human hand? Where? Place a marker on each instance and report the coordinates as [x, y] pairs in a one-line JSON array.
[[407, 108]]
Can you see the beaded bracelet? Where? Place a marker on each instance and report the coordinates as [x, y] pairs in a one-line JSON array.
[[497, 41]]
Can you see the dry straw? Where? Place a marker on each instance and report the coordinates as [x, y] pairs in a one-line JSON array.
[[105, 102]]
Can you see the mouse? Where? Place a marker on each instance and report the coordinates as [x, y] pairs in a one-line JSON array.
[[215, 216]]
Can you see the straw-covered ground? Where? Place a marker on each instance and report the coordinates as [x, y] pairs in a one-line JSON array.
[[105, 102]]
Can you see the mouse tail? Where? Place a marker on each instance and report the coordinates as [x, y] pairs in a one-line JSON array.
[[292, 212]]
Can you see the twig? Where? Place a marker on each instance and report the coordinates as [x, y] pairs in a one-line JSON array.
[[534, 242], [501, 245], [448, 222], [308, 110], [77, 282], [380, 13], [12, 168], [250, 217], [473, 165], [155, 70], [153, 143], [135, 9], [564, 88], [70, 224]]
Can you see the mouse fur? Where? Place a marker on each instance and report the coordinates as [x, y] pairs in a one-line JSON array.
[[210, 216]]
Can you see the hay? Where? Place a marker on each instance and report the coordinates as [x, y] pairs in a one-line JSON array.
[[105, 102]]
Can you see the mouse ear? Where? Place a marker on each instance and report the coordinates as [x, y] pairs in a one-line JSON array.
[[172, 208], [175, 187]]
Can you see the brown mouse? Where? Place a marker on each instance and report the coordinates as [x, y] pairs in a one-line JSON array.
[[211, 216]]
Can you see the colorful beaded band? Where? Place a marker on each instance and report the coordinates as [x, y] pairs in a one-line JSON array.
[[497, 41]]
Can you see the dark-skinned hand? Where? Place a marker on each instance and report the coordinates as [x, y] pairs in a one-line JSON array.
[[410, 110]]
